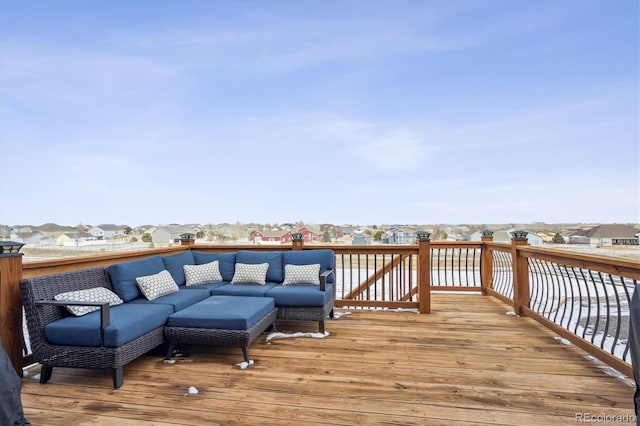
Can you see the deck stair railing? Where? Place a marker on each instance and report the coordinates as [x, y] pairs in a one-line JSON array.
[[583, 298]]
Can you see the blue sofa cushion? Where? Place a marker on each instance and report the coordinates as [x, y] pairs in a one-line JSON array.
[[226, 261], [174, 263], [255, 290], [325, 258], [223, 312], [123, 275], [208, 286], [275, 273], [178, 300], [300, 295], [128, 321]]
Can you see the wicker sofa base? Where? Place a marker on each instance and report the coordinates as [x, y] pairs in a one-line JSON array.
[[307, 313], [50, 356], [219, 337]]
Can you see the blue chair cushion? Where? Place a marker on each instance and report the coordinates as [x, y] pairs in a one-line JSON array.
[[255, 290], [179, 300], [226, 262], [128, 321], [123, 275], [275, 273], [223, 312], [300, 295], [326, 259], [174, 264]]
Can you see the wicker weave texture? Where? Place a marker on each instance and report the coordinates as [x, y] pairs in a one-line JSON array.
[[220, 337], [47, 354]]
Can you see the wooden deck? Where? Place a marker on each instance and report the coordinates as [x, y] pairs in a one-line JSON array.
[[466, 363]]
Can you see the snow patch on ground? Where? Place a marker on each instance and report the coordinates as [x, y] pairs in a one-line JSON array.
[[244, 364], [562, 340], [278, 335], [191, 391]]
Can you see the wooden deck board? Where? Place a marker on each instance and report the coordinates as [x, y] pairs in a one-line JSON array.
[[466, 363]]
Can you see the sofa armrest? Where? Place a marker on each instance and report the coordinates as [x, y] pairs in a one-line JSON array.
[[105, 312], [323, 279]]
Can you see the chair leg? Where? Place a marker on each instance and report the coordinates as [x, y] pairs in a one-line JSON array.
[[169, 351], [118, 377], [245, 353], [331, 314], [321, 326], [45, 374]]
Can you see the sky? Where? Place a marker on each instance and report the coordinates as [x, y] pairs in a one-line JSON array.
[[333, 111]]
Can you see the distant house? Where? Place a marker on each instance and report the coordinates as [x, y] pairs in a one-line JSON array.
[[28, 237], [606, 235], [169, 234], [399, 235], [74, 239], [547, 237], [310, 235], [107, 231], [22, 229], [504, 236], [272, 237], [361, 239]]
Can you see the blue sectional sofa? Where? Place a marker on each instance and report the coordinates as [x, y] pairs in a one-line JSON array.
[[128, 318]]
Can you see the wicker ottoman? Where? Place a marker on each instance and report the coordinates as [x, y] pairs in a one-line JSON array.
[[232, 321]]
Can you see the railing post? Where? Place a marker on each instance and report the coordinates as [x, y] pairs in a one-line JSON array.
[[521, 295], [297, 241], [11, 303], [486, 262], [424, 271]]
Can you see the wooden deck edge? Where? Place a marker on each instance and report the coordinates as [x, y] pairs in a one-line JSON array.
[[609, 359]]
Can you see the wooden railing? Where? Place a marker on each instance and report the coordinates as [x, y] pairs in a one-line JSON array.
[[583, 298]]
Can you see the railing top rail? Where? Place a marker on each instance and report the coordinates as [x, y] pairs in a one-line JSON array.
[[601, 263], [506, 247]]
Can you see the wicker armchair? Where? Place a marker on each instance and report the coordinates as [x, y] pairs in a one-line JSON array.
[[40, 309]]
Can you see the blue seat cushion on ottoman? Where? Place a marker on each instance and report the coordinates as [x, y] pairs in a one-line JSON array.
[[181, 299], [226, 262], [123, 275], [128, 321], [326, 259], [300, 295], [275, 273], [255, 290], [174, 264], [223, 312]]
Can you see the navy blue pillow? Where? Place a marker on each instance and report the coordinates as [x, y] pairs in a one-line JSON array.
[[275, 273], [226, 262], [174, 264], [123, 275], [326, 259]]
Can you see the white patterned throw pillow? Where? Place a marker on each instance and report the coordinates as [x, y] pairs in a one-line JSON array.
[[201, 274], [250, 273], [302, 274], [157, 285], [97, 294]]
